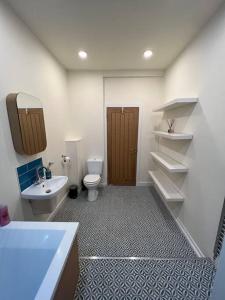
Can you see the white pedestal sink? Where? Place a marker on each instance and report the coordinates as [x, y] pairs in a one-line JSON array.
[[41, 196]]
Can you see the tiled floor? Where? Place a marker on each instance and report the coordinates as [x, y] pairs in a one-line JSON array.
[[126, 221], [145, 279], [133, 222]]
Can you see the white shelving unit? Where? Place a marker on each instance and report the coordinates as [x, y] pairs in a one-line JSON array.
[[163, 183], [174, 136], [175, 104], [168, 163], [165, 186]]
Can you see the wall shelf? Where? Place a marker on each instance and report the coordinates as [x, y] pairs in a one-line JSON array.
[[165, 186], [168, 163], [174, 136], [162, 182], [175, 104]]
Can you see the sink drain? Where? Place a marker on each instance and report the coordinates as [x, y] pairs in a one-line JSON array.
[[48, 191]]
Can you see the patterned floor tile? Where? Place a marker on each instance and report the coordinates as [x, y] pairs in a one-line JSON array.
[[120, 279], [126, 221]]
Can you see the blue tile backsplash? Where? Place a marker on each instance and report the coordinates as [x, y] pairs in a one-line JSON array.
[[27, 173]]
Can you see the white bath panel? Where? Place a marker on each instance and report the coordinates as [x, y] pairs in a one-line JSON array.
[[166, 187], [175, 104], [174, 136], [168, 163]]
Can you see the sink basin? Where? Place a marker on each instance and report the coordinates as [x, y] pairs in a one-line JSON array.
[[46, 190]]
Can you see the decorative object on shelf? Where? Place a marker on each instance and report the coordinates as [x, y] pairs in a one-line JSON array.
[[171, 125]]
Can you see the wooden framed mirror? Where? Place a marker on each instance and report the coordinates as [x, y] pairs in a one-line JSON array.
[[26, 119]]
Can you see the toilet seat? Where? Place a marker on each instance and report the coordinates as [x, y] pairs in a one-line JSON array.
[[92, 179]]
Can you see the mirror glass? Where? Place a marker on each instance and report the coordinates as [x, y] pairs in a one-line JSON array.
[[27, 101]]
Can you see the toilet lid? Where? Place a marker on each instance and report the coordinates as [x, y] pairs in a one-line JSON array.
[[91, 178]]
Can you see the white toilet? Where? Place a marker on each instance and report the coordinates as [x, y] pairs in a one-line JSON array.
[[92, 180]]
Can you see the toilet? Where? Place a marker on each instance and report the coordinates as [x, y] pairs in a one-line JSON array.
[[93, 178]]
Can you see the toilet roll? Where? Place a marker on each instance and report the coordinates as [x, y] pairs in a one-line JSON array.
[[66, 160]]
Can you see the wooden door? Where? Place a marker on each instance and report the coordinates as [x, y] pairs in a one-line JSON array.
[[122, 138]]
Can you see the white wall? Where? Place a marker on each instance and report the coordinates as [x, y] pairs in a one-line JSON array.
[[199, 72], [88, 93], [26, 66], [86, 105]]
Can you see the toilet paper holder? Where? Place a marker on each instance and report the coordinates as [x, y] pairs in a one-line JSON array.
[[65, 158]]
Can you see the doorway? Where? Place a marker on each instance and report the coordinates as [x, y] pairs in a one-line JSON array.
[[122, 140]]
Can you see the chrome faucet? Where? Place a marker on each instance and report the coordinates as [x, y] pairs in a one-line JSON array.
[[39, 179]]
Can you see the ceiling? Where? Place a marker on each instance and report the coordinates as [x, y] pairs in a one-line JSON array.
[[115, 32]]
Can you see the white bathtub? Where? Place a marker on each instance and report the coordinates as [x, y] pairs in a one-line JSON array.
[[32, 257]]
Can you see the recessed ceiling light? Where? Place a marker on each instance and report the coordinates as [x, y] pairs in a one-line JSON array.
[[148, 54], [82, 54]]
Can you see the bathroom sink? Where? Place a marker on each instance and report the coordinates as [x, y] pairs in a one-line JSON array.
[[46, 190]]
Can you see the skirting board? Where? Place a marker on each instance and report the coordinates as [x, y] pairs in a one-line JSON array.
[[59, 205], [140, 183], [184, 230], [189, 237], [144, 183]]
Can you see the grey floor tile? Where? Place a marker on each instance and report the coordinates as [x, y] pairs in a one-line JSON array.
[[125, 221]]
